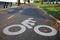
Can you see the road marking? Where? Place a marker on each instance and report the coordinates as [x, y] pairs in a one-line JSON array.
[[52, 33], [11, 16], [28, 23], [7, 32]]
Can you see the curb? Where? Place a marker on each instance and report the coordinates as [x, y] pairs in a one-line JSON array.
[[50, 16], [56, 21]]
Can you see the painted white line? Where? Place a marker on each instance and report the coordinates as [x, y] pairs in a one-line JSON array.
[[7, 32], [52, 33], [29, 21]]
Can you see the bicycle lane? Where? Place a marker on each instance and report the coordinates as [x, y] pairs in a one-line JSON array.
[[29, 34]]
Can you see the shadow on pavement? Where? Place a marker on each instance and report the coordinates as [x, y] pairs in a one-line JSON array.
[[33, 12], [15, 10]]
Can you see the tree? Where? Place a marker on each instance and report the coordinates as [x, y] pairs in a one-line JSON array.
[[25, 1], [18, 2], [41, 1], [56, 1], [28, 1]]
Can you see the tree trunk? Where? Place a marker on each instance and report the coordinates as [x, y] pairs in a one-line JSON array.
[[25, 1], [28, 1], [18, 2], [42, 1]]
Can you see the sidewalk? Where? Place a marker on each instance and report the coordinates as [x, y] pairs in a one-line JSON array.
[[1, 7]]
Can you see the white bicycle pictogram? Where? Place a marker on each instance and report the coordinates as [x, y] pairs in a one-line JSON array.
[[28, 23]]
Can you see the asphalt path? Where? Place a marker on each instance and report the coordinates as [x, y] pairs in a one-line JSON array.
[[15, 16]]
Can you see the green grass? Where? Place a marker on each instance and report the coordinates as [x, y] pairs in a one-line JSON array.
[[53, 9], [46, 5]]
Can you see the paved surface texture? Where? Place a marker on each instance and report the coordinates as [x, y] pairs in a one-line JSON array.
[[16, 16]]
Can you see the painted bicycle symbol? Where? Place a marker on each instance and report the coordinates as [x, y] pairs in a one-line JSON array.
[[28, 23]]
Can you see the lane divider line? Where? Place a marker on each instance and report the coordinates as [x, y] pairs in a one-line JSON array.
[[11, 16]]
